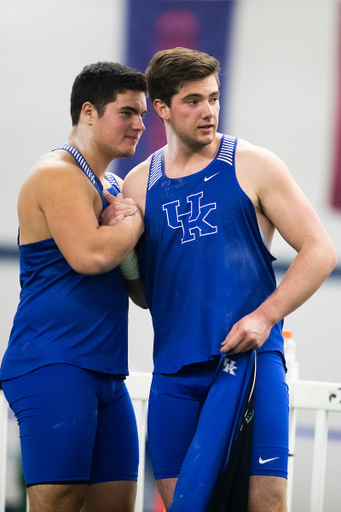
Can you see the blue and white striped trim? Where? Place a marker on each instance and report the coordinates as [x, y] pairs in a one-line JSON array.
[[226, 151], [83, 164], [111, 178], [155, 168]]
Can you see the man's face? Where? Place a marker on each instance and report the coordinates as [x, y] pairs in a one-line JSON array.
[[194, 112], [120, 127]]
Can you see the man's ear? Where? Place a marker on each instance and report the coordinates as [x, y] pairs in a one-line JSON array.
[[161, 109], [87, 112]]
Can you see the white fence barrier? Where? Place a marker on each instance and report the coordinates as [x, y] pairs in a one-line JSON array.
[[322, 397], [138, 384], [319, 396]]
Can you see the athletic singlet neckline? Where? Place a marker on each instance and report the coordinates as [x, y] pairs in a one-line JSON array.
[[204, 171], [83, 165], [197, 173]]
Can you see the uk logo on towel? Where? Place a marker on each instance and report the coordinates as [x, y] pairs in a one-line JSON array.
[[229, 366]]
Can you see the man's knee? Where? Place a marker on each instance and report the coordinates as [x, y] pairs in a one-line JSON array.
[[115, 496], [267, 494], [166, 489], [56, 497]]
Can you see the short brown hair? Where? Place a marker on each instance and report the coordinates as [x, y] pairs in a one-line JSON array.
[[170, 69]]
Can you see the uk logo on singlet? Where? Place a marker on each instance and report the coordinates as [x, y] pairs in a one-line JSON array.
[[194, 222]]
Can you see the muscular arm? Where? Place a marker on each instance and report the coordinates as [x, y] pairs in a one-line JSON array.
[[135, 184], [281, 204], [57, 201]]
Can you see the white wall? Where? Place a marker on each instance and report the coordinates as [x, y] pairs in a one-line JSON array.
[[44, 44], [283, 92]]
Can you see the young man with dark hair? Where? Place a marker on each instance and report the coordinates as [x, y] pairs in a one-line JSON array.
[[64, 369], [211, 204]]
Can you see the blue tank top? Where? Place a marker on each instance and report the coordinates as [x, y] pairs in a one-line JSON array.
[[64, 316], [203, 260]]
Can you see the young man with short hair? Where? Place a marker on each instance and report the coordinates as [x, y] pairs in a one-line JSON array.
[[211, 203], [63, 371]]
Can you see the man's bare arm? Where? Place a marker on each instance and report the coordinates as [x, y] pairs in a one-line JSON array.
[[62, 204], [284, 205]]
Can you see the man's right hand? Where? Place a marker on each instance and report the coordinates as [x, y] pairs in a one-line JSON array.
[[118, 208]]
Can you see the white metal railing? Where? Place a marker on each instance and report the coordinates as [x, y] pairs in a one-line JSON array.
[[138, 384], [322, 397], [319, 396]]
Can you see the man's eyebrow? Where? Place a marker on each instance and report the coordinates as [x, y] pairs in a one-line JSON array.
[[133, 110], [197, 95], [192, 95]]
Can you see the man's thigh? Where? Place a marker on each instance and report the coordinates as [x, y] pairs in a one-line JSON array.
[[65, 415], [173, 413], [57, 419], [271, 419], [116, 451]]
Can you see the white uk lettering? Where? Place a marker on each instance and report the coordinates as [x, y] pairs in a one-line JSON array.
[[192, 222]]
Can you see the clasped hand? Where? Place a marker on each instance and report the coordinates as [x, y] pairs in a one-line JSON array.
[[118, 208]]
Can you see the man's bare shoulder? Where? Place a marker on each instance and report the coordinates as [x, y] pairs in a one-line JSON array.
[[46, 167], [49, 180], [139, 172], [138, 176], [261, 174], [248, 150], [135, 183], [251, 154], [52, 179], [51, 171], [54, 161]]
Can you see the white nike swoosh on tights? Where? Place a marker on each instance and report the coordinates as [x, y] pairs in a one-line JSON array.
[[209, 177], [261, 461]]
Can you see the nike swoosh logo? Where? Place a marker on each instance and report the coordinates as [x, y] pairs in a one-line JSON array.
[[261, 461], [209, 177]]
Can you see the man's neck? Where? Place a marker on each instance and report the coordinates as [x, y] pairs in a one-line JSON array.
[[181, 160], [88, 149]]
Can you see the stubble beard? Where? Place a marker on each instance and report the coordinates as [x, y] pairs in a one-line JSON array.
[[195, 144]]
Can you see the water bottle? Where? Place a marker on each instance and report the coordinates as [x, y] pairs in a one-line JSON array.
[[289, 347], [290, 357]]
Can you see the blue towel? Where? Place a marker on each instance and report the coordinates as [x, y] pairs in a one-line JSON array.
[[219, 423]]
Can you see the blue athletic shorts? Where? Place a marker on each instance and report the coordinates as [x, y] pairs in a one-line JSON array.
[[173, 412], [75, 425]]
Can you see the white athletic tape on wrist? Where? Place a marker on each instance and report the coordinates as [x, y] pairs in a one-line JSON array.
[[129, 266]]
